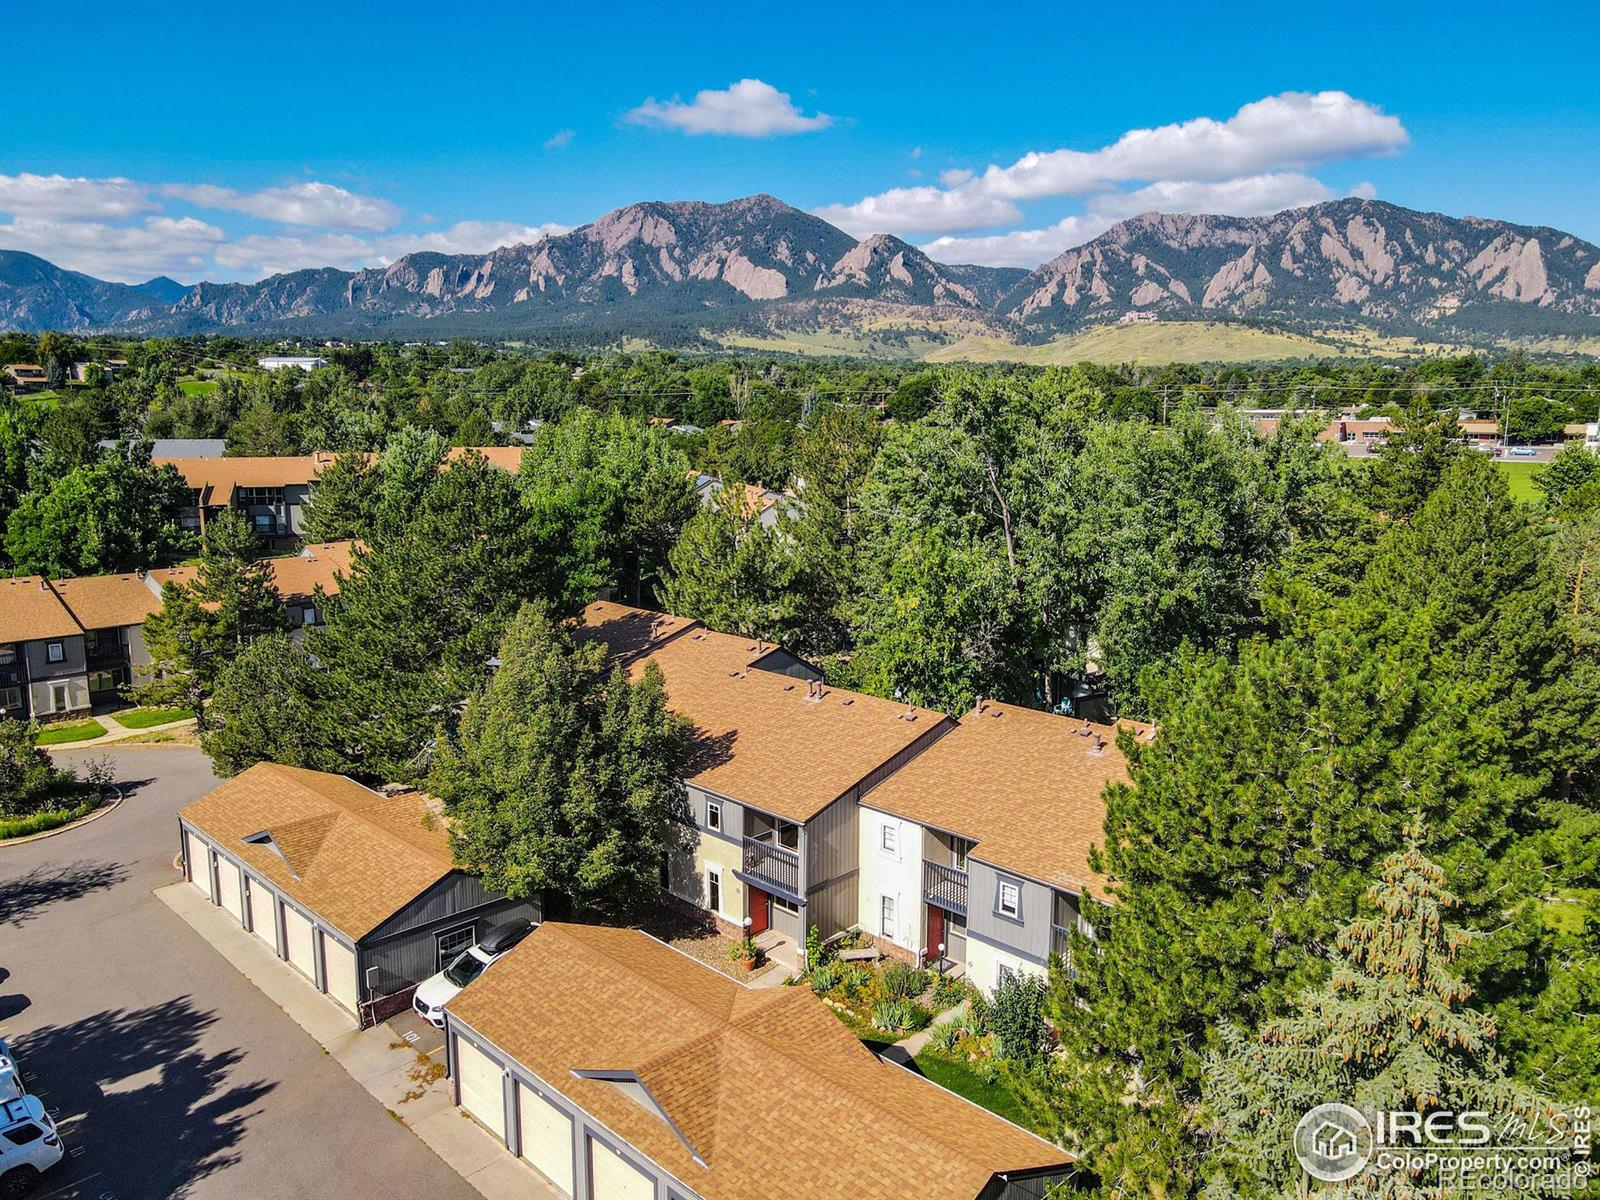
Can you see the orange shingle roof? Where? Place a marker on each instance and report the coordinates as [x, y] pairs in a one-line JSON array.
[[507, 458], [351, 855], [216, 478], [728, 1065], [758, 738], [1024, 785], [321, 564], [30, 610], [103, 601]]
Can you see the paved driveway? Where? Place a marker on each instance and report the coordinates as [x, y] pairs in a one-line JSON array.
[[171, 1074]]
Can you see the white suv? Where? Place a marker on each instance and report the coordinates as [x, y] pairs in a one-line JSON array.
[[438, 990], [29, 1145]]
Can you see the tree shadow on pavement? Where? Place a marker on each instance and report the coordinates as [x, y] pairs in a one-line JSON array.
[[152, 1111], [24, 897]]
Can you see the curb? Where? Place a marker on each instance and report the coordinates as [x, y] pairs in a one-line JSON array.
[[103, 810]]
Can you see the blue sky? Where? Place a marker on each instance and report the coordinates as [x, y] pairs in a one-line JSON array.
[[232, 141]]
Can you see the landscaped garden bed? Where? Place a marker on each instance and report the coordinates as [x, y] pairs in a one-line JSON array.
[[35, 794]]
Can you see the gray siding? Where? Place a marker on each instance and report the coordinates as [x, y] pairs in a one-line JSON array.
[[457, 893], [73, 660], [732, 814], [409, 957], [830, 867], [1031, 937]]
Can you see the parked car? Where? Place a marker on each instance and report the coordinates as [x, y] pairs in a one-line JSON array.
[[29, 1145], [438, 990], [1524, 452]]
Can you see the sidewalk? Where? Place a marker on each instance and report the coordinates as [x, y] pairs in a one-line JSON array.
[[411, 1085], [116, 732]]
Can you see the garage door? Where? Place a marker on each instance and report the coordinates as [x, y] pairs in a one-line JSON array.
[[199, 864], [614, 1178], [263, 913], [297, 933], [481, 1094], [230, 889], [546, 1138], [340, 963]]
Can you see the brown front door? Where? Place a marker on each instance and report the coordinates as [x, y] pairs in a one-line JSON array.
[[935, 931], [760, 911]]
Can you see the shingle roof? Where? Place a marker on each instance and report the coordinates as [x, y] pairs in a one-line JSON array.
[[351, 855], [297, 576], [30, 610], [1024, 785], [758, 738], [507, 458], [216, 478], [104, 601], [773, 1096]]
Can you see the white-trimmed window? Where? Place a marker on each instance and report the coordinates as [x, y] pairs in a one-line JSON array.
[[890, 838], [1002, 973], [8, 653], [54, 652], [886, 916], [10, 698], [714, 814], [714, 889], [1008, 901]]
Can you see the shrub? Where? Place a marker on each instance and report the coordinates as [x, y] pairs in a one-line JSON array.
[[1017, 1018], [29, 781], [949, 991], [825, 978], [817, 954], [901, 981], [898, 1016], [977, 1018], [855, 981], [946, 1036]]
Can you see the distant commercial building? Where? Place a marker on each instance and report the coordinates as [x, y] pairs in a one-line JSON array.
[[277, 362]]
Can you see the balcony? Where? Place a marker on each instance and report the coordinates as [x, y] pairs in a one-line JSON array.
[[1061, 946], [944, 886], [765, 862]]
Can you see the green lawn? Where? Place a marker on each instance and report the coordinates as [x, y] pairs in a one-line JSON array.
[[143, 718], [1520, 477], [73, 731], [197, 387], [959, 1077], [16, 827]]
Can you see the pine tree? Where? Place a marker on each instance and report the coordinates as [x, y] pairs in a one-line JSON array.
[[1391, 1030], [266, 705], [728, 570], [344, 502], [562, 776]]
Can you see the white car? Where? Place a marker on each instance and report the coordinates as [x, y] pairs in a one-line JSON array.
[[29, 1145], [438, 990]]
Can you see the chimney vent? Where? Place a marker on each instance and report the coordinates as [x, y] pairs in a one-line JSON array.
[[978, 707], [1099, 745], [1084, 730]]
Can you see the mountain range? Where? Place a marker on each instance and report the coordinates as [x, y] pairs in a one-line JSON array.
[[681, 269]]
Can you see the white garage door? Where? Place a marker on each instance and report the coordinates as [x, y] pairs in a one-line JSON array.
[[199, 864], [298, 934], [230, 889], [340, 962], [546, 1138], [614, 1178], [263, 913], [480, 1086]]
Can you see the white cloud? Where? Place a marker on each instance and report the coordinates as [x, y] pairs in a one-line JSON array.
[[749, 108], [916, 152], [57, 196], [268, 254], [1021, 247], [1247, 196], [1275, 134], [1365, 190], [560, 139], [954, 177], [465, 237], [924, 209], [125, 254], [323, 205]]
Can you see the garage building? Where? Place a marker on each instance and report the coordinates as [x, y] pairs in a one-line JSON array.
[[620, 1068], [355, 889]]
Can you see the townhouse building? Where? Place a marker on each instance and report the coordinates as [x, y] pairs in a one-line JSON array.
[[111, 611], [43, 667]]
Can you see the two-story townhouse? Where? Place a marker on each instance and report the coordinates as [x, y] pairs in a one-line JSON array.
[[317, 567], [975, 856], [42, 663], [272, 492], [111, 610], [776, 765]]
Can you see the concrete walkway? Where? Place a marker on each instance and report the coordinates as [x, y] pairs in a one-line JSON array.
[[115, 731], [907, 1049], [411, 1085]]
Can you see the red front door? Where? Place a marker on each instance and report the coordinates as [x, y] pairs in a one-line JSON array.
[[760, 911], [935, 931]]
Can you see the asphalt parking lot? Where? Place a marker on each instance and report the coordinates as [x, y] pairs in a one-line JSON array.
[[171, 1075]]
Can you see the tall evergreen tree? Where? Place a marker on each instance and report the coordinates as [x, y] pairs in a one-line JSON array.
[[563, 776], [729, 570]]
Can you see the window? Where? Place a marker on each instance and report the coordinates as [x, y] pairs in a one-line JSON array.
[[8, 654], [891, 837], [959, 849], [23, 1134], [264, 522], [782, 905], [1003, 973], [55, 652], [102, 681], [713, 815], [251, 496], [10, 699], [886, 919], [1009, 901], [714, 889], [451, 942]]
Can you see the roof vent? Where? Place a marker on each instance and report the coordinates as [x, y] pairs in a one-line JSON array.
[[978, 705], [788, 687], [1085, 729], [997, 712], [848, 701], [1099, 745]]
